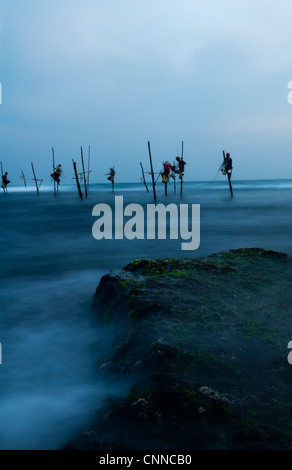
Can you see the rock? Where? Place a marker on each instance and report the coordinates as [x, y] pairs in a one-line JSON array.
[[90, 434], [201, 410], [138, 365], [205, 335], [214, 396], [106, 367]]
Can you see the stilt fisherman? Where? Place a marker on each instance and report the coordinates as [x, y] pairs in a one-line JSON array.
[[57, 174]]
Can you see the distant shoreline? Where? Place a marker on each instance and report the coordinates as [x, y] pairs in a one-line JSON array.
[[215, 184]]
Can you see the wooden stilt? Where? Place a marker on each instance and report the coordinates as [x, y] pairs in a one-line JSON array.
[[35, 180], [113, 181], [152, 172], [174, 179], [143, 178], [181, 176], [88, 176], [54, 168], [230, 185], [24, 179], [77, 180], [84, 173]]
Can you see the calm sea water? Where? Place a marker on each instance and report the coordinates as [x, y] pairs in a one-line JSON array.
[[50, 268]]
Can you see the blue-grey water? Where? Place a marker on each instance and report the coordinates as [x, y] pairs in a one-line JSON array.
[[50, 268]]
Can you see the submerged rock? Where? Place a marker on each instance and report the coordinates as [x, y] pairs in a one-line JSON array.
[[208, 338]]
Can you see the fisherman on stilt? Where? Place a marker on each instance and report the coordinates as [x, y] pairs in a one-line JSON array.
[[57, 175], [167, 168], [227, 166], [181, 167], [5, 181], [111, 176]]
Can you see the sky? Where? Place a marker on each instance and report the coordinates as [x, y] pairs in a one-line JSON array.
[[115, 74]]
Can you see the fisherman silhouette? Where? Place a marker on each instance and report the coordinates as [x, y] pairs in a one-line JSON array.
[[112, 175], [5, 180], [181, 166], [57, 174], [227, 166]]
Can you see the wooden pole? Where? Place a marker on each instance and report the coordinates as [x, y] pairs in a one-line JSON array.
[[88, 176], [113, 182], [35, 180], [143, 178], [77, 180], [174, 179], [24, 179], [84, 174], [230, 185], [181, 176], [152, 172], [228, 175], [54, 168]]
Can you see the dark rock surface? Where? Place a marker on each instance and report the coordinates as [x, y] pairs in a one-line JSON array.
[[204, 346]]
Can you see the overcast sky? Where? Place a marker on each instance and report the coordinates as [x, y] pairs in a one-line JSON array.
[[114, 74]]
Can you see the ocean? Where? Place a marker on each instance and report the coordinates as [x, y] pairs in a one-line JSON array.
[[50, 268]]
